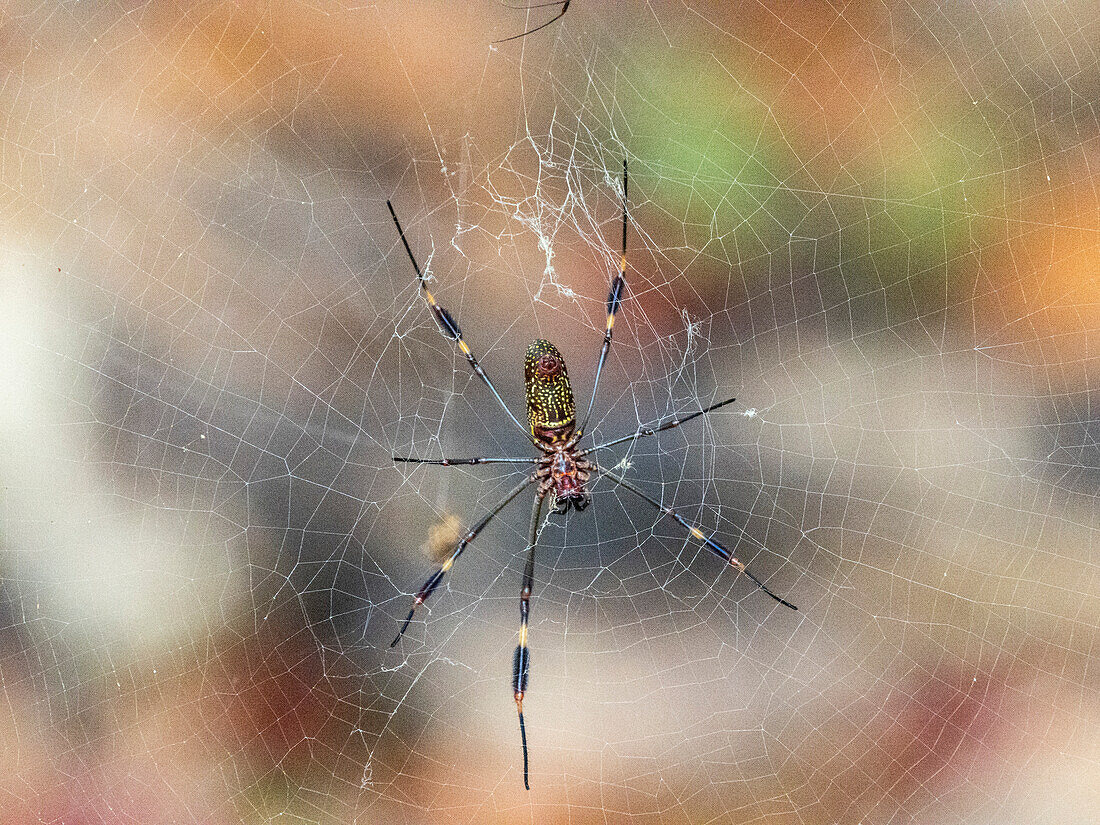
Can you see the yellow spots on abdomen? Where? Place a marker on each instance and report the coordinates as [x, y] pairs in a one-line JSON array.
[[550, 404]]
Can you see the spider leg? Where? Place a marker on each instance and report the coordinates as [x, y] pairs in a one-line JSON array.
[[433, 580], [530, 6], [450, 462], [614, 298], [712, 545], [521, 660], [449, 327], [645, 432], [564, 8]]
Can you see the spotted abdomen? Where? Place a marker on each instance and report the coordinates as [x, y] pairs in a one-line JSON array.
[[551, 411]]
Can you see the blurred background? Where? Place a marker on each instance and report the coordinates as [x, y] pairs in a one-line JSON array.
[[876, 224]]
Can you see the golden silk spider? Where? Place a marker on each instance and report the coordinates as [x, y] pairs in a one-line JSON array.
[[563, 468]]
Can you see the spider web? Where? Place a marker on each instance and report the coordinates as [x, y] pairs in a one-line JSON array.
[[875, 224]]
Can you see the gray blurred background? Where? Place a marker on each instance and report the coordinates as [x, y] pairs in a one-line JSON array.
[[877, 225]]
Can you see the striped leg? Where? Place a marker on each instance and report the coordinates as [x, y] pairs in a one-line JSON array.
[[449, 327], [451, 462], [433, 580], [712, 545], [645, 432], [614, 298], [521, 661]]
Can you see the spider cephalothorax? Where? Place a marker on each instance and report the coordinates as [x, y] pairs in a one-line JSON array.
[[564, 473], [562, 468]]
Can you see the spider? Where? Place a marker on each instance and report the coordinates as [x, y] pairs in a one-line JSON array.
[[563, 469], [561, 13]]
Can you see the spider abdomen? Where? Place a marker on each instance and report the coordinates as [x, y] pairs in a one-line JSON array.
[[551, 410]]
